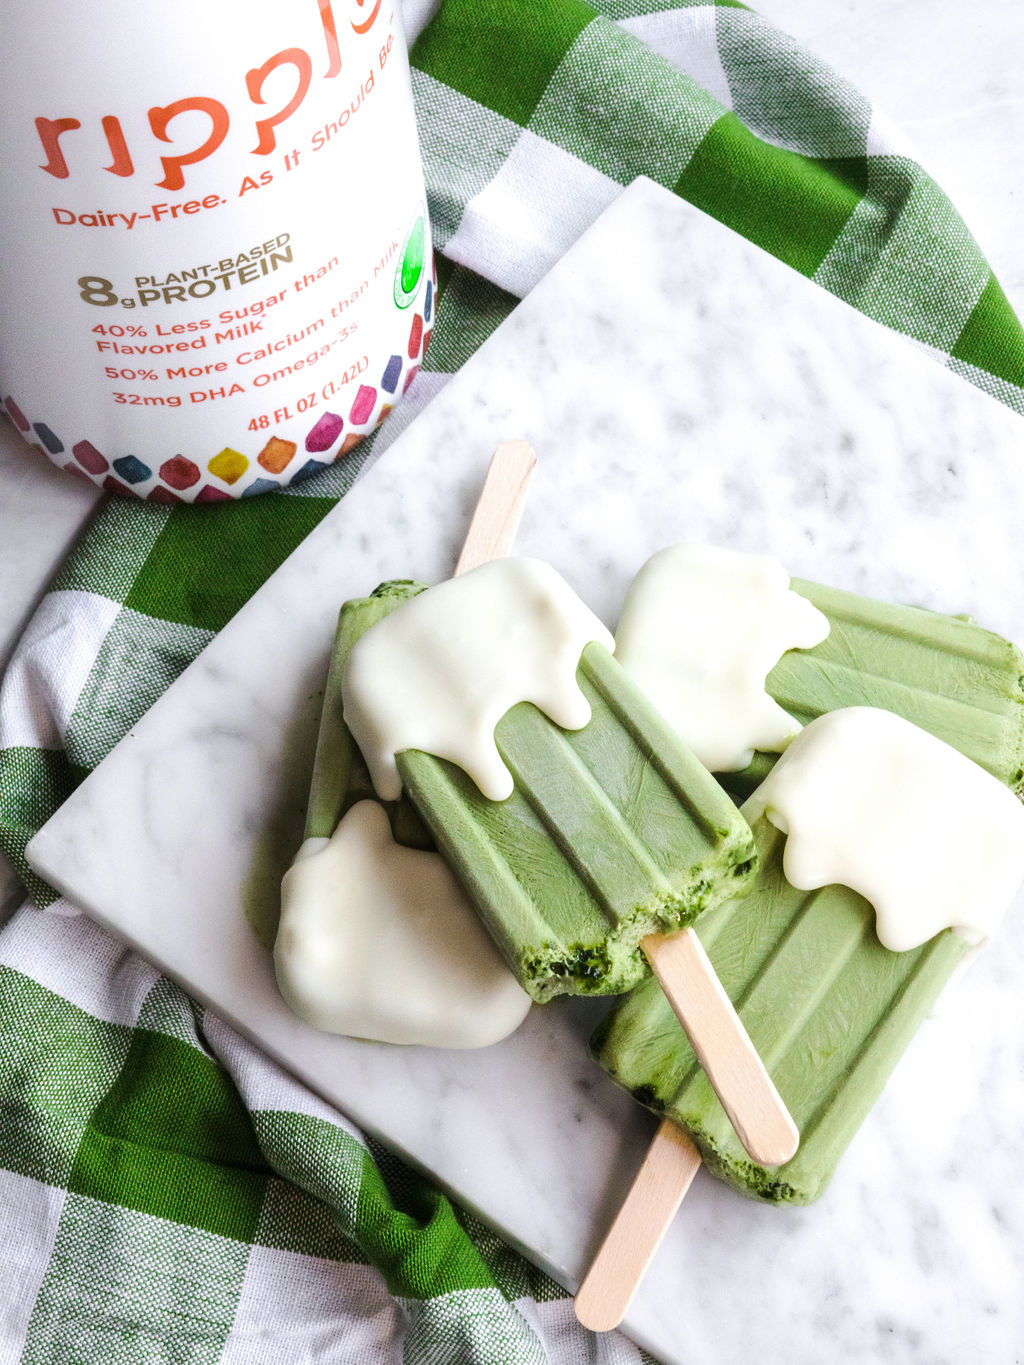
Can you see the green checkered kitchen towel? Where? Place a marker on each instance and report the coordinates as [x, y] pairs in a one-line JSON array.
[[167, 1193]]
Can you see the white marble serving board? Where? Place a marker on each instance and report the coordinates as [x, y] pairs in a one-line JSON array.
[[677, 384]]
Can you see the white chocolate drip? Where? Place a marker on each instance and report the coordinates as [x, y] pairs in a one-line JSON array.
[[701, 628], [378, 941], [440, 671], [875, 803]]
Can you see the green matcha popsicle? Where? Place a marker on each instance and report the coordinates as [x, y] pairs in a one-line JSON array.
[[376, 939], [830, 1009], [576, 833], [584, 832], [341, 785], [738, 657], [830, 996], [900, 853], [340, 779]]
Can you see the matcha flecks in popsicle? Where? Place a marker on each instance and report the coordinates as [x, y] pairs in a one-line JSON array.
[[700, 630]]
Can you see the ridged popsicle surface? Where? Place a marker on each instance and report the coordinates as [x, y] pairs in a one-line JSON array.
[[340, 777], [613, 831], [829, 1009], [951, 677]]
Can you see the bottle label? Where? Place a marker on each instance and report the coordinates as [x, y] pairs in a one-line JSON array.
[[216, 274]]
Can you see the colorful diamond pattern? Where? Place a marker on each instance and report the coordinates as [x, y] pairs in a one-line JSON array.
[[260, 486], [276, 454], [162, 495], [90, 458], [178, 472], [180, 479], [132, 470], [363, 405], [229, 465], [52, 443], [415, 336], [16, 415], [325, 433], [392, 374]]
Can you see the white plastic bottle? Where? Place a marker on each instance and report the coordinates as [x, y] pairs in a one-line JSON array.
[[215, 266]]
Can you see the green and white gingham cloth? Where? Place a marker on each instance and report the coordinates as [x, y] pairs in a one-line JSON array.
[[167, 1194]]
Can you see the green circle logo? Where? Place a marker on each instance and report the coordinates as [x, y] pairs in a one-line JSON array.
[[409, 272]]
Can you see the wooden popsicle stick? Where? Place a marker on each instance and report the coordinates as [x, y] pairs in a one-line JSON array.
[[716, 1034], [730, 1061], [689, 981], [748, 1096], [640, 1224], [500, 506]]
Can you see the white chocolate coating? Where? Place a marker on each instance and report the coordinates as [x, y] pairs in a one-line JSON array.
[[873, 802], [700, 630], [378, 941], [440, 671]]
